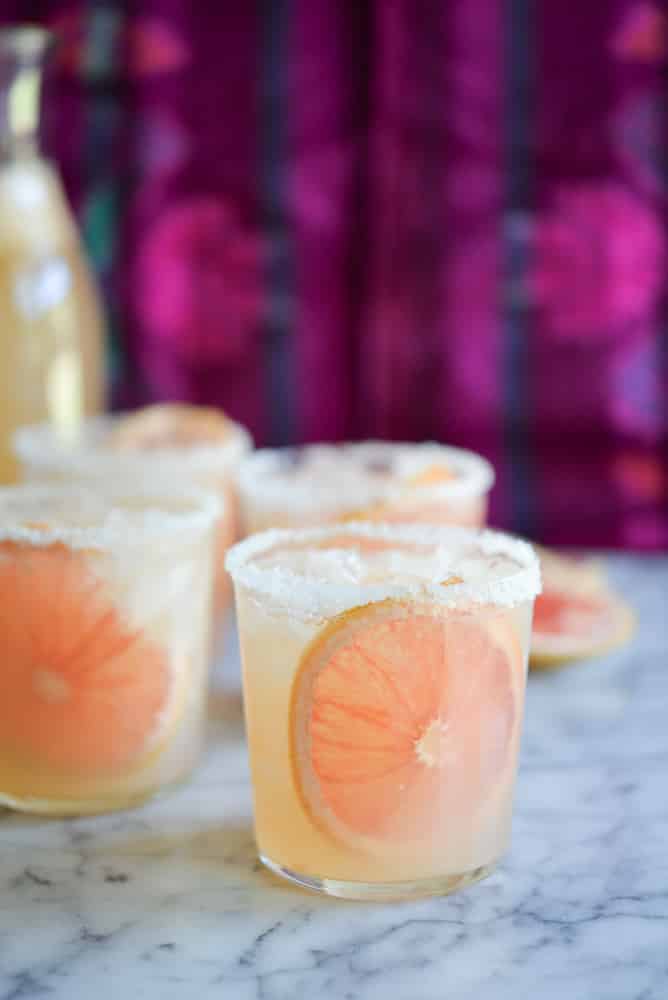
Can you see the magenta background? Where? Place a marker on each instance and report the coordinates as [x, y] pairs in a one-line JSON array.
[[339, 220]]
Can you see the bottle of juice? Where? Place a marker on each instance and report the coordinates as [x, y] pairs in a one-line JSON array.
[[51, 325]]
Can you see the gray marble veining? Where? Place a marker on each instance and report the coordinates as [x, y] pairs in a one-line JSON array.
[[169, 901]]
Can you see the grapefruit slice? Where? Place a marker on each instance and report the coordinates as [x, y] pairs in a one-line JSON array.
[[577, 616], [403, 720], [83, 694], [170, 425]]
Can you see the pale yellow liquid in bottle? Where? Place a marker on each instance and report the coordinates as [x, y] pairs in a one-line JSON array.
[[51, 326]]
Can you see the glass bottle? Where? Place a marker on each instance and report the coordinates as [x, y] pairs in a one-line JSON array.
[[51, 320]]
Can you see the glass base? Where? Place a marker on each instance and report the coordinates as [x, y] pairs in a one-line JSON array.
[[71, 808], [441, 885]]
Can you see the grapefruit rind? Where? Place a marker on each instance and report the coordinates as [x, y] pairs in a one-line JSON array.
[[577, 581]]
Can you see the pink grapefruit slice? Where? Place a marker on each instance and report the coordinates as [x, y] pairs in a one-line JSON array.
[[402, 718], [577, 616], [82, 692]]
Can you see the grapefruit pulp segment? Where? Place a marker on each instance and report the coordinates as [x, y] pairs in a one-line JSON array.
[[83, 692], [403, 717]]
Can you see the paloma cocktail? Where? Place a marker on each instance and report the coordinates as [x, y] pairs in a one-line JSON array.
[[384, 671]]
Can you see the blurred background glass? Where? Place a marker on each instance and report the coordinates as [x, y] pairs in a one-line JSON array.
[[340, 219]]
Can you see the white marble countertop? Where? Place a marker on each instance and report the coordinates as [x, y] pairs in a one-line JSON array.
[[168, 901]]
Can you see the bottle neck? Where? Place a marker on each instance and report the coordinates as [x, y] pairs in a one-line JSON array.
[[22, 52], [19, 115]]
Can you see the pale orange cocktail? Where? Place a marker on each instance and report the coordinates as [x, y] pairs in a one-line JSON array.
[[384, 671], [105, 607]]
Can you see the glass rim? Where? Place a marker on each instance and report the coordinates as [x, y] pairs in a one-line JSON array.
[[40, 445], [116, 518], [311, 596], [261, 486]]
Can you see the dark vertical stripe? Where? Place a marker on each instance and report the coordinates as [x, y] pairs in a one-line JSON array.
[[278, 269], [101, 73], [519, 33]]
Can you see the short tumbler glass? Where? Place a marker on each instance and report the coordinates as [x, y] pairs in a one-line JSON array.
[[104, 642], [384, 670], [378, 481]]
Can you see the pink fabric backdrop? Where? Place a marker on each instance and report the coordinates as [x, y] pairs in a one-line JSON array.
[[343, 219]]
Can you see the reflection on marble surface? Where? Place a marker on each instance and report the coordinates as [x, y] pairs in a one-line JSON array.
[[169, 901]]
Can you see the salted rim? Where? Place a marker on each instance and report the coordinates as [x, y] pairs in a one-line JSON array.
[[39, 445], [296, 593], [119, 524], [260, 486]]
